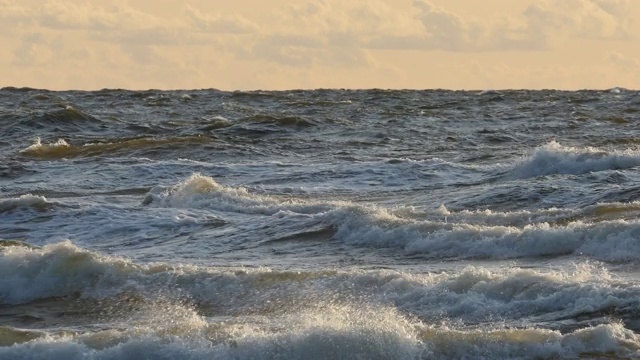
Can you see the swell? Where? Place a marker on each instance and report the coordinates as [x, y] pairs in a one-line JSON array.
[[604, 232], [286, 121], [294, 314], [66, 119], [61, 149], [586, 294]]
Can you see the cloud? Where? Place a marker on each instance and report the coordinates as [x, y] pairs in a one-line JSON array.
[[543, 25], [230, 24], [59, 15], [330, 33], [591, 19], [13, 15], [444, 30], [623, 62], [76, 15], [343, 33], [323, 42], [306, 51], [32, 51]]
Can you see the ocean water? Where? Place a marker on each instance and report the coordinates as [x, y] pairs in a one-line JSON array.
[[326, 224]]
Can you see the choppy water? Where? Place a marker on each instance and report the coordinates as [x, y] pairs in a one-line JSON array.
[[319, 224]]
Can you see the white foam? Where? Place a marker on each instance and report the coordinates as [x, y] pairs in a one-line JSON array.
[[204, 192], [319, 313], [334, 331], [601, 341], [471, 295], [610, 240], [554, 158], [514, 295], [39, 147], [23, 201], [351, 334], [56, 270], [437, 234]]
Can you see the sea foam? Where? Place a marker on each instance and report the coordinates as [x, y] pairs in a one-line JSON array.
[[351, 336], [473, 295], [24, 201], [554, 158], [439, 234]]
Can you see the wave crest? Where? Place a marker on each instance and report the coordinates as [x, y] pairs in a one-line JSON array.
[[61, 149], [554, 158], [203, 191], [24, 201]]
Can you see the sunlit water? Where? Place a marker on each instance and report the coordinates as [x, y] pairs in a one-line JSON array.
[[319, 224]]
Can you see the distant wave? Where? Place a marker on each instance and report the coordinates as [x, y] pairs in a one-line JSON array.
[[554, 158], [65, 118], [278, 120], [61, 149]]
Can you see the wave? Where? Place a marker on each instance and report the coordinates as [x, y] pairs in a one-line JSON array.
[[599, 231], [68, 114], [201, 191], [61, 149], [65, 119], [26, 201], [321, 342], [193, 311], [265, 119], [608, 240], [554, 158], [55, 270], [10, 335], [332, 332], [472, 296], [337, 332]]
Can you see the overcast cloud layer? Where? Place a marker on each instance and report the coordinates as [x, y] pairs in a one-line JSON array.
[[247, 44]]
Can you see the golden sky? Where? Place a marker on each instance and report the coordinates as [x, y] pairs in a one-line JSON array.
[[287, 44]]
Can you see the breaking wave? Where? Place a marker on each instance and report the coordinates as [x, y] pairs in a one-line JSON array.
[[254, 313], [590, 232], [27, 201], [334, 334], [473, 295], [554, 158]]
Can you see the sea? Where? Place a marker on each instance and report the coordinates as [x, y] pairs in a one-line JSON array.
[[319, 224]]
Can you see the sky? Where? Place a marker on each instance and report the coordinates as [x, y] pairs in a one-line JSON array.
[[298, 44]]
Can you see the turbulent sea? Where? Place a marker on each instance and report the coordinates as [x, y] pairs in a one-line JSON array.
[[325, 224]]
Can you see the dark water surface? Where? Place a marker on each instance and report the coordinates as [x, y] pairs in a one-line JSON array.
[[319, 224]]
